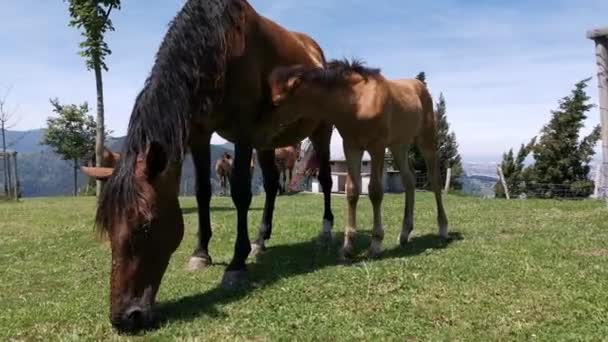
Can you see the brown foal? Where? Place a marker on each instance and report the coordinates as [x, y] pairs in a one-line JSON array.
[[371, 113]]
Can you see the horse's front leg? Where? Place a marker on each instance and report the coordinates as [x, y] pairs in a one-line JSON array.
[[201, 156], [270, 174], [353, 189], [321, 142], [236, 272]]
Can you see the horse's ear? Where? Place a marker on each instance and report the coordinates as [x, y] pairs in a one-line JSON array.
[[100, 173], [156, 160]]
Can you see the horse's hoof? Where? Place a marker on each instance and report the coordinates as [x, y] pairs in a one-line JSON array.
[[346, 255], [445, 239], [375, 250], [198, 263], [324, 238], [235, 280], [404, 238], [257, 249]]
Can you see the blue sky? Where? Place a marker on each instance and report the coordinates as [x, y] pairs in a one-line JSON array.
[[502, 65]]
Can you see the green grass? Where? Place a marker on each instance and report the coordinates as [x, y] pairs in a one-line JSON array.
[[522, 270]]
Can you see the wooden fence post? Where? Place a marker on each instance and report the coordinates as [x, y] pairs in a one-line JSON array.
[[598, 177], [503, 181], [16, 177], [448, 179]]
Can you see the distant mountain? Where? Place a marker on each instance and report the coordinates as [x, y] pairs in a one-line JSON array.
[[44, 173], [25, 141]]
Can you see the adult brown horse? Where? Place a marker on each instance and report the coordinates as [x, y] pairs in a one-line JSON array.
[[371, 113], [209, 76], [223, 169], [286, 158]]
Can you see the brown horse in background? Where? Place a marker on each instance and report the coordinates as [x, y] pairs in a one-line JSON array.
[[371, 113], [223, 169], [286, 158], [209, 76]]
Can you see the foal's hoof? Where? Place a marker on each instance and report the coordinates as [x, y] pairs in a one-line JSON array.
[[257, 249], [346, 255], [197, 263], [234, 280]]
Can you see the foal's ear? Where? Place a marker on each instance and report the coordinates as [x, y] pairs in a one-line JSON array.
[[100, 173], [155, 160]]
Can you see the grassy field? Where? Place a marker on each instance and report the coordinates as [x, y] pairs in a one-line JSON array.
[[520, 270]]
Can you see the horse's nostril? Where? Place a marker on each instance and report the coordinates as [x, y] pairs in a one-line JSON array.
[[134, 315]]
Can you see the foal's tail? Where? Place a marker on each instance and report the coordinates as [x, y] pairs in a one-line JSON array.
[[429, 131]]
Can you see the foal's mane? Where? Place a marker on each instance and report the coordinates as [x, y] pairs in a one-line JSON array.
[[338, 72], [187, 79]]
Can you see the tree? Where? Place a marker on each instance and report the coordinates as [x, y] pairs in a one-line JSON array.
[[71, 135], [513, 169], [561, 157], [447, 146], [8, 120], [93, 18]]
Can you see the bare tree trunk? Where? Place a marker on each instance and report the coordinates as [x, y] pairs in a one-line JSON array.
[[16, 173], [75, 177], [100, 138], [4, 160]]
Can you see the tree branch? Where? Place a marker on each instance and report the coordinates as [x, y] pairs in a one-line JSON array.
[[105, 18]]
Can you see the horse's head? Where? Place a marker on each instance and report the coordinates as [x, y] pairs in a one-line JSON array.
[[140, 213]]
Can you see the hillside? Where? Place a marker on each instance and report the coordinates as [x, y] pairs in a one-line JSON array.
[[43, 173]]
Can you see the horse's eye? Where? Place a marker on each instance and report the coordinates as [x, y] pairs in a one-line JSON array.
[[143, 229]]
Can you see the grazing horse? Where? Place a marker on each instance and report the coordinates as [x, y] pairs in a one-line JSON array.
[[223, 169], [371, 113], [286, 158], [210, 75]]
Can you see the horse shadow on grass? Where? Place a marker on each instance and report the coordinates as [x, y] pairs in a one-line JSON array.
[[285, 261], [194, 210]]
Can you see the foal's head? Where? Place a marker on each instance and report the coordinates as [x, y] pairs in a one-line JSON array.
[[299, 92], [139, 212]]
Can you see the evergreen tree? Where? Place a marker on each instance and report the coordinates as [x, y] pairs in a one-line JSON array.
[[447, 146], [514, 172], [561, 157], [71, 135]]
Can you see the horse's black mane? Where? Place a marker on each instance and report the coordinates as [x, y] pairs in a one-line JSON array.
[[187, 79], [338, 71]]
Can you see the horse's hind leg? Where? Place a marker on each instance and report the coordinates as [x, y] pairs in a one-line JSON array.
[[376, 194], [402, 161], [429, 153], [201, 157], [321, 141], [353, 189], [270, 174]]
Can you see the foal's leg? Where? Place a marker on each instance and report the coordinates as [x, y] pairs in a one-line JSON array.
[[353, 189], [402, 161], [201, 157], [321, 142], [270, 174], [432, 164], [236, 272], [376, 194]]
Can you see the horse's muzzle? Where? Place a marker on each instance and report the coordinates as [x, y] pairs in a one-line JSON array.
[[134, 319]]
